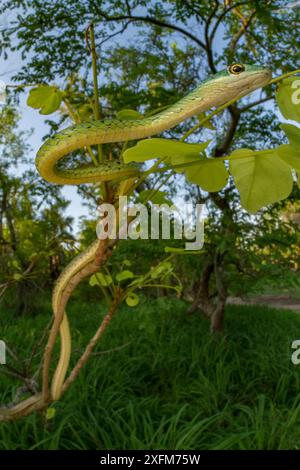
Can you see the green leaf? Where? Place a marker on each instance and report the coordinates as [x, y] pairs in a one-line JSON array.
[[100, 279], [288, 98], [290, 155], [157, 197], [126, 262], [50, 413], [171, 150], [128, 114], [47, 98], [211, 176], [178, 289], [17, 277], [261, 178], [123, 275], [132, 300], [182, 251], [293, 134]]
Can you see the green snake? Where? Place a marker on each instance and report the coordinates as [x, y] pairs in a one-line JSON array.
[[234, 82]]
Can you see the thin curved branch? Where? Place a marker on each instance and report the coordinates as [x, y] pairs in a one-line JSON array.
[[235, 117], [208, 41], [156, 22], [222, 16], [256, 103]]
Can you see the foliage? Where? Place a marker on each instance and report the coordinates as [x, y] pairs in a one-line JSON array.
[[32, 225], [262, 177], [162, 275], [47, 98], [220, 395]]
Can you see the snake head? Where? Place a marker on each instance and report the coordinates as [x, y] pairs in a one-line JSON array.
[[235, 81], [246, 77]]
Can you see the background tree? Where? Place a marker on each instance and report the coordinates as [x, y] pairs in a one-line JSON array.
[[34, 233], [167, 64]]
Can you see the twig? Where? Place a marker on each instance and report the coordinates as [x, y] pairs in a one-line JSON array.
[[97, 111], [209, 50], [240, 33], [220, 18], [92, 50], [108, 351], [85, 356], [256, 103], [95, 72]]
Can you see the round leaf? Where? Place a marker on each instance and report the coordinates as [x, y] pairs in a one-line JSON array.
[[212, 176], [132, 300], [261, 178], [123, 275], [47, 98], [293, 134]]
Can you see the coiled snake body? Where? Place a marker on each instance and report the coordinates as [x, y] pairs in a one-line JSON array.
[[234, 82]]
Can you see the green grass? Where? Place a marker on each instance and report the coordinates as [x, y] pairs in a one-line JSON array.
[[172, 386]]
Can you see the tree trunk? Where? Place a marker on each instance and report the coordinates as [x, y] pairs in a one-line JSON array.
[[217, 317]]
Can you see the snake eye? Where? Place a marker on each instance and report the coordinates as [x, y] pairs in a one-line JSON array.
[[235, 69]]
